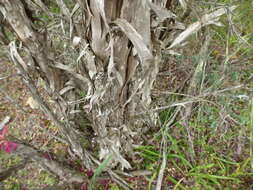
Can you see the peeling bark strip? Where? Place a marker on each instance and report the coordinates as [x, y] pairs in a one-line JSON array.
[[120, 82], [106, 49]]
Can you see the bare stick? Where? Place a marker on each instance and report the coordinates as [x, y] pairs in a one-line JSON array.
[[4, 122]]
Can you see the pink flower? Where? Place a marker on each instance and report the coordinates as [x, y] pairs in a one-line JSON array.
[[5, 145], [81, 169], [89, 173], [8, 146]]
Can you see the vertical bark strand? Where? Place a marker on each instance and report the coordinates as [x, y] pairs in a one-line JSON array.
[[110, 113], [112, 9], [139, 18], [98, 33]]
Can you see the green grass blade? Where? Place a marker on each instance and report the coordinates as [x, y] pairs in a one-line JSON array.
[[177, 183], [226, 161], [209, 176], [185, 162], [98, 171], [251, 134]]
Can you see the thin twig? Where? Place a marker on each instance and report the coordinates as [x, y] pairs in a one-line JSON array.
[[163, 166], [191, 100], [164, 147], [8, 76], [4, 122]]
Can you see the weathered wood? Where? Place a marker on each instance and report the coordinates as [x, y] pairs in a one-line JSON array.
[[109, 50]]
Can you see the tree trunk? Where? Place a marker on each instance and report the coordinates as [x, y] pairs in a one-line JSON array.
[[109, 50], [115, 67], [122, 81]]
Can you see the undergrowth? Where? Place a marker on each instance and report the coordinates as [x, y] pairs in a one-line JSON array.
[[221, 124]]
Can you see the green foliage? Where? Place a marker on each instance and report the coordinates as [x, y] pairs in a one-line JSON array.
[[15, 186], [114, 187], [215, 166], [215, 123], [98, 171], [251, 133], [82, 94], [47, 178], [7, 160]]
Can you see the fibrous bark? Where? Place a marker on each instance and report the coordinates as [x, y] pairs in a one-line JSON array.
[[108, 49]]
